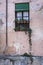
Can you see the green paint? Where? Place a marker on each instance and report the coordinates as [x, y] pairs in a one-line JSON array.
[[21, 7]]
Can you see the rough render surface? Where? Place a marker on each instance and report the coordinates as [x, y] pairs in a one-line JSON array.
[[19, 40]]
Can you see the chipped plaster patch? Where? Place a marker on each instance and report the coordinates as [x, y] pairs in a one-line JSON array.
[[17, 46], [35, 6]]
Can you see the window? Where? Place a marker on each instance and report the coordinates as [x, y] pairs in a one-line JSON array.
[[21, 16]]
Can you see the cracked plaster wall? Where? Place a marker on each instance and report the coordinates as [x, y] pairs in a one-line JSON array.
[[19, 40]]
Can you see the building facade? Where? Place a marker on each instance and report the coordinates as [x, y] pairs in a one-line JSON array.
[[18, 41]]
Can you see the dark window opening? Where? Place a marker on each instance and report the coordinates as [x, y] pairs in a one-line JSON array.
[[21, 16]]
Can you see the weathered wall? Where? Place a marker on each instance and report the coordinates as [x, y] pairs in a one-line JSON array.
[[36, 23], [21, 61], [2, 25], [19, 40]]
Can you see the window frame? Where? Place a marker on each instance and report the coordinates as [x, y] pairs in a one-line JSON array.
[[22, 18]]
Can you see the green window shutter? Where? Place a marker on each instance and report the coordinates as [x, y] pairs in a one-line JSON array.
[[21, 7]]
